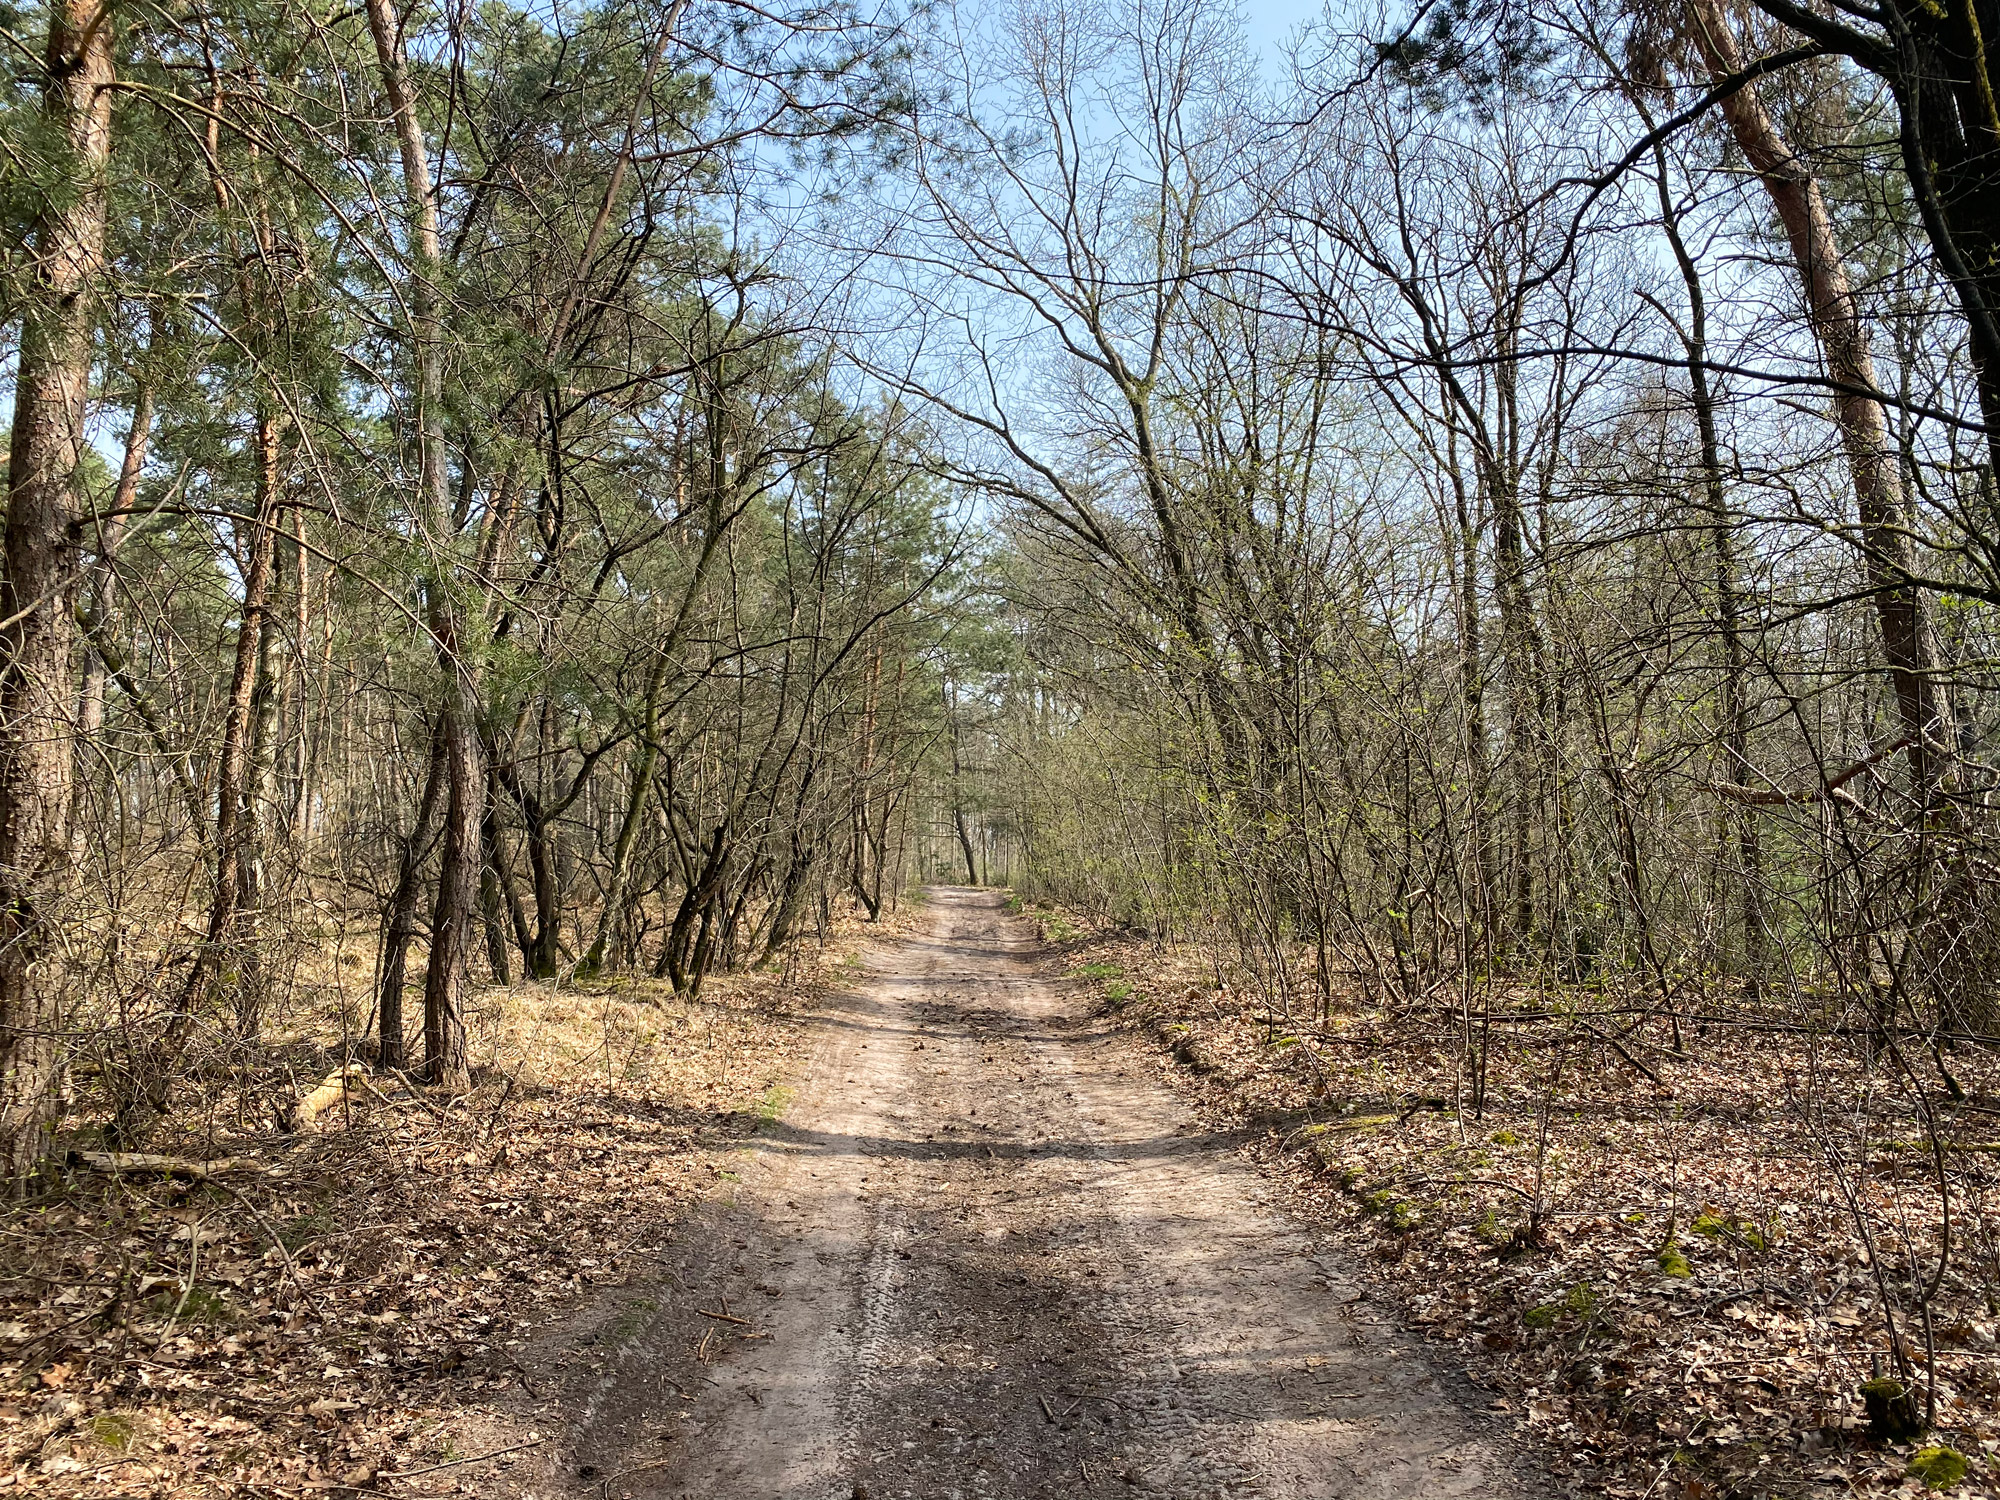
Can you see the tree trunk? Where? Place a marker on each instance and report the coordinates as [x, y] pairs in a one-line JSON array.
[[1844, 343], [259, 797], [683, 955], [957, 802], [1733, 708], [232, 828], [103, 600], [492, 892], [400, 924], [38, 584], [610, 919], [445, 1063], [458, 875]]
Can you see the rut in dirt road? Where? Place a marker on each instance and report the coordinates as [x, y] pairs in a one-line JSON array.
[[987, 1253]]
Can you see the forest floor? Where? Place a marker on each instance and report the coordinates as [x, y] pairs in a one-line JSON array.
[[946, 1235], [972, 1213], [366, 1306], [1693, 1310]]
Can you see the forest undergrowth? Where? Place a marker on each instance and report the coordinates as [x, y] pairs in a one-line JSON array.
[[344, 1306], [1664, 1278]]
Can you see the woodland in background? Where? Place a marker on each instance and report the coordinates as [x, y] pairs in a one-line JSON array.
[[1490, 514], [443, 546], [1501, 535]]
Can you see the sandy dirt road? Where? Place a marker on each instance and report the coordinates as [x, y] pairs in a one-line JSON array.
[[987, 1253]]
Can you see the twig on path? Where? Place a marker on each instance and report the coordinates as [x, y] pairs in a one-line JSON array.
[[362, 1079], [145, 1164], [1048, 1410], [724, 1317], [438, 1110], [1620, 1048], [527, 1379], [457, 1462], [611, 1479]]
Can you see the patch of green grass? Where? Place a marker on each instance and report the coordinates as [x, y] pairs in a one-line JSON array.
[[1580, 1301], [1713, 1225], [777, 1099], [113, 1430], [1393, 1211], [1118, 992], [1100, 970], [307, 1227], [1504, 1138], [200, 1304], [1490, 1229]]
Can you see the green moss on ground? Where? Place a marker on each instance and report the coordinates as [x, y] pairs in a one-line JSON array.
[[1938, 1467]]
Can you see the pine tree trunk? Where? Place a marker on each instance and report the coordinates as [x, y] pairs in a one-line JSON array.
[[1842, 333], [38, 584], [445, 1063], [103, 600], [400, 926], [457, 904]]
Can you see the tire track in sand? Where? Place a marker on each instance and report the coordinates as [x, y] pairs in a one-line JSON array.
[[987, 1255]]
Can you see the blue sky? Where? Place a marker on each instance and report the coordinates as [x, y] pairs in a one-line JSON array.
[[1267, 24]]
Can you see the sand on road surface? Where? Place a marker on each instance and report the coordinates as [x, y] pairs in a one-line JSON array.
[[986, 1251]]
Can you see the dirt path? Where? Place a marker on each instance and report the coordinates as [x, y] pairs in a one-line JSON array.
[[987, 1253]]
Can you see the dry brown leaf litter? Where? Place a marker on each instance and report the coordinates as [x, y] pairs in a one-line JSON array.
[[353, 1309], [1695, 1310]]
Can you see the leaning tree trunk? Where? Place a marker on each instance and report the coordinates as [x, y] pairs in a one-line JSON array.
[[38, 579], [1842, 333]]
